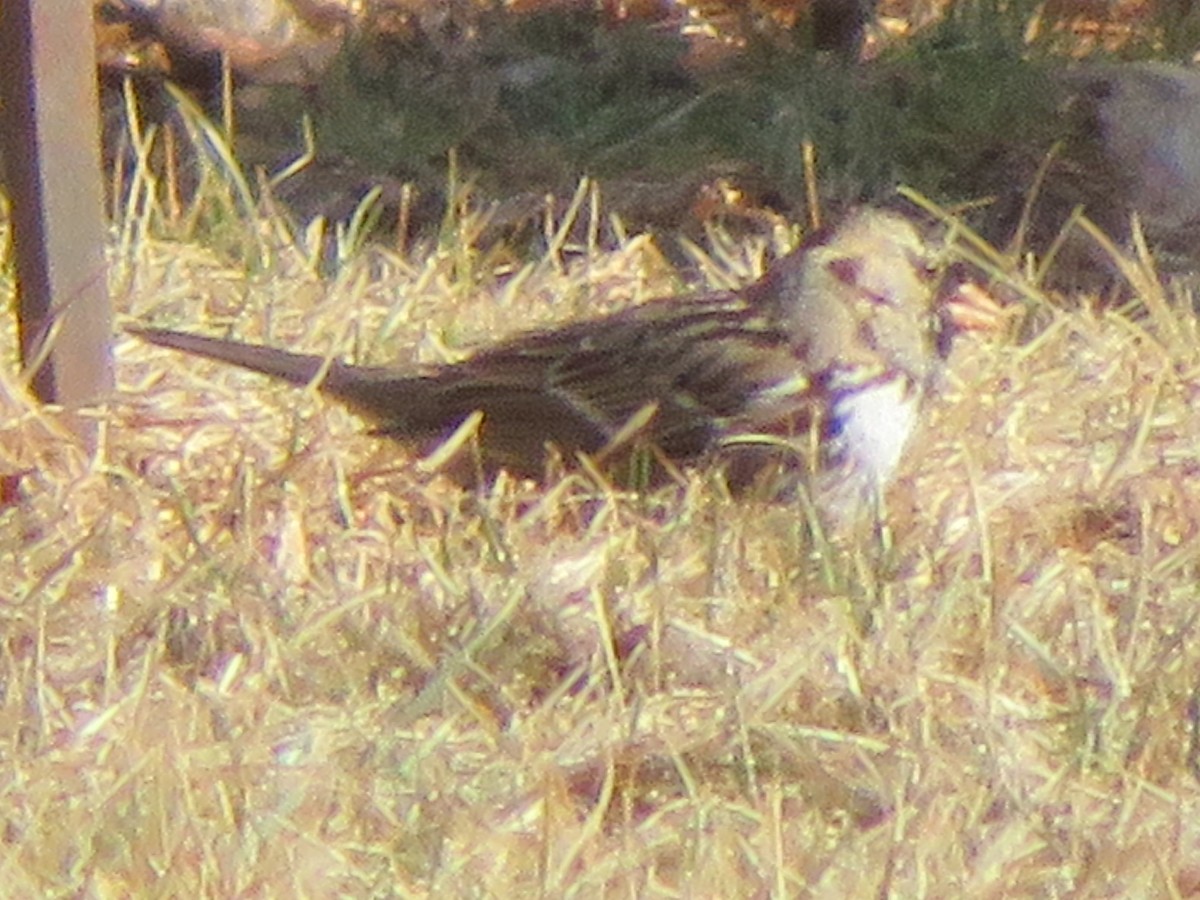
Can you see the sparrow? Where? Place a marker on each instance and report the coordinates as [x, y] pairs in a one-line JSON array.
[[820, 366]]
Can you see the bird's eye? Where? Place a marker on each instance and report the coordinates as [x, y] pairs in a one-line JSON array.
[[846, 269], [926, 270]]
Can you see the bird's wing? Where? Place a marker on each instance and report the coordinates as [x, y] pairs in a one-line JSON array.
[[697, 364]]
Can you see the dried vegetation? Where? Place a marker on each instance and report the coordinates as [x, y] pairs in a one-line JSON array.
[[250, 651]]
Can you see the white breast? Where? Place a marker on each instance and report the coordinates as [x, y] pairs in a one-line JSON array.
[[875, 424], [872, 425]]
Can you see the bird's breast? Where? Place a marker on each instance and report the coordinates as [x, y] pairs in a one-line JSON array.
[[871, 424]]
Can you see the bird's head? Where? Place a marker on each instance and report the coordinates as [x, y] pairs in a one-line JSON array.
[[861, 294]]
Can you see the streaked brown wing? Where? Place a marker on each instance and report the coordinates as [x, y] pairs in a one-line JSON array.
[[699, 362]]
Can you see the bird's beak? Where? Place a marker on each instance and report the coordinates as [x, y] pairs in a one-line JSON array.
[[966, 307], [969, 307]]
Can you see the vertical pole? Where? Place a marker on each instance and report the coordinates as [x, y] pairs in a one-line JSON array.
[[50, 134]]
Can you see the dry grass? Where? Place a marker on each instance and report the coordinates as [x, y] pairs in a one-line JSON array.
[[250, 652]]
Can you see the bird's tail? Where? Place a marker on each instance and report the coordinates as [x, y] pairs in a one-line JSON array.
[[408, 407], [295, 368], [373, 391]]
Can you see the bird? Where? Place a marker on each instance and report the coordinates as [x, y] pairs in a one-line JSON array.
[[821, 367]]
